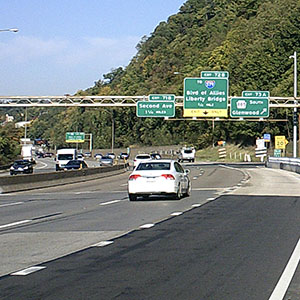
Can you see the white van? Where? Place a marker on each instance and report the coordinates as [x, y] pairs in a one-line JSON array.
[[63, 156], [187, 153]]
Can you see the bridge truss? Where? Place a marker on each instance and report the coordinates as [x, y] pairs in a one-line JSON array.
[[111, 101]]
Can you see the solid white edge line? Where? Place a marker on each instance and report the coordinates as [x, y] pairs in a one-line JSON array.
[[102, 244], [146, 226], [27, 271], [15, 223], [11, 204], [287, 275]]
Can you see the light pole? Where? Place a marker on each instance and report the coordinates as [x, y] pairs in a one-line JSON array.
[[10, 29], [295, 118]]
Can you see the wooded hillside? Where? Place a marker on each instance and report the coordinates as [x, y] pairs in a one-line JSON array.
[[251, 39]]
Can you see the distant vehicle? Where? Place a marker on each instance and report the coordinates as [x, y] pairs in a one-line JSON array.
[[106, 161], [155, 155], [27, 152], [141, 157], [80, 156], [187, 153], [75, 165], [88, 154], [159, 177], [63, 156], [124, 155], [98, 155], [48, 154], [111, 155], [21, 166]]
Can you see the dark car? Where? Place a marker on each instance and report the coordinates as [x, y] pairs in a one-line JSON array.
[[124, 155], [75, 165], [48, 154], [155, 155], [21, 166]]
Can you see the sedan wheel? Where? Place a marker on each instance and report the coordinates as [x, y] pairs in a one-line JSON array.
[[178, 194]]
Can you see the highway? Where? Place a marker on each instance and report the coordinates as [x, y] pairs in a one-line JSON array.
[[231, 239], [46, 165]]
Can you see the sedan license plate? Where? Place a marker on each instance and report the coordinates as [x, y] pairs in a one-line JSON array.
[[150, 179]]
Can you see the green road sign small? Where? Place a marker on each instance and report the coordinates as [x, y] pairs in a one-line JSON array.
[[75, 137], [214, 74], [249, 107], [155, 109], [161, 97], [254, 94]]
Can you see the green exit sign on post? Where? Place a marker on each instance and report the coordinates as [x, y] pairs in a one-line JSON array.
[[155, 109], [161, 97], [75, 137]]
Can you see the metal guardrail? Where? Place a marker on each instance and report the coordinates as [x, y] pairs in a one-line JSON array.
[[284, 163]]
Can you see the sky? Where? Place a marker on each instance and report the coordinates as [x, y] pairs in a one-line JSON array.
[[63, 46]]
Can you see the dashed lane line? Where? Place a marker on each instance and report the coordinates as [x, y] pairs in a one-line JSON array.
[[28, 271], [110, 202], [103, 244], [11, 204], [15, 224]]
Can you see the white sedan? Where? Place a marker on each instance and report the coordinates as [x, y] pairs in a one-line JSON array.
[[159, 177]]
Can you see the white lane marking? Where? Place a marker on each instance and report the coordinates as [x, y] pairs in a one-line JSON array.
[[210, 199], [15, 223], [146, 226], [196, 205], [287, 275], [194, 178], [110, 202], [11, 204], [177, 213], [103, 244], [124, 184], [42, 167], [27, 271], [87, 192]]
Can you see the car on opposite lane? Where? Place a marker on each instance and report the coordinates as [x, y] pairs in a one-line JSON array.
[[75, 165], [23, 166], [106, 161], [159, 177]]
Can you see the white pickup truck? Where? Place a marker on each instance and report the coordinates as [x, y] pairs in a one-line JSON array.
[[187, 154]]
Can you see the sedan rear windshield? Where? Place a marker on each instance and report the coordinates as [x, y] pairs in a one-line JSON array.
[[188, 151], [153, 166]]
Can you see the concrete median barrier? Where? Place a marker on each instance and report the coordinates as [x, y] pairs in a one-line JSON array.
[[18, 183]]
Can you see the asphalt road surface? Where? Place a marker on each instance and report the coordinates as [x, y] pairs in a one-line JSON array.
[[236, 237]]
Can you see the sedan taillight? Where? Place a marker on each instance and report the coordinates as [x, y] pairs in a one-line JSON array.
[[134, 177], [168, 176]]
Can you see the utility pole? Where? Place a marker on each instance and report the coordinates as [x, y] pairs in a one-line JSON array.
[[295, 114]]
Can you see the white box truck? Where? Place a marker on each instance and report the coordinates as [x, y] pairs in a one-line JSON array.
[[63, 156]]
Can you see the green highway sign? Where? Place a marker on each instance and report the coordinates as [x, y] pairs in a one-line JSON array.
[[249, 107], [254, 94], [155, 109], [214, 74], [205, 97], [75, 137], [163, 97]]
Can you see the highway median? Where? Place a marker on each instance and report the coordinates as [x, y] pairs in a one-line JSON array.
[[9, 184]]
